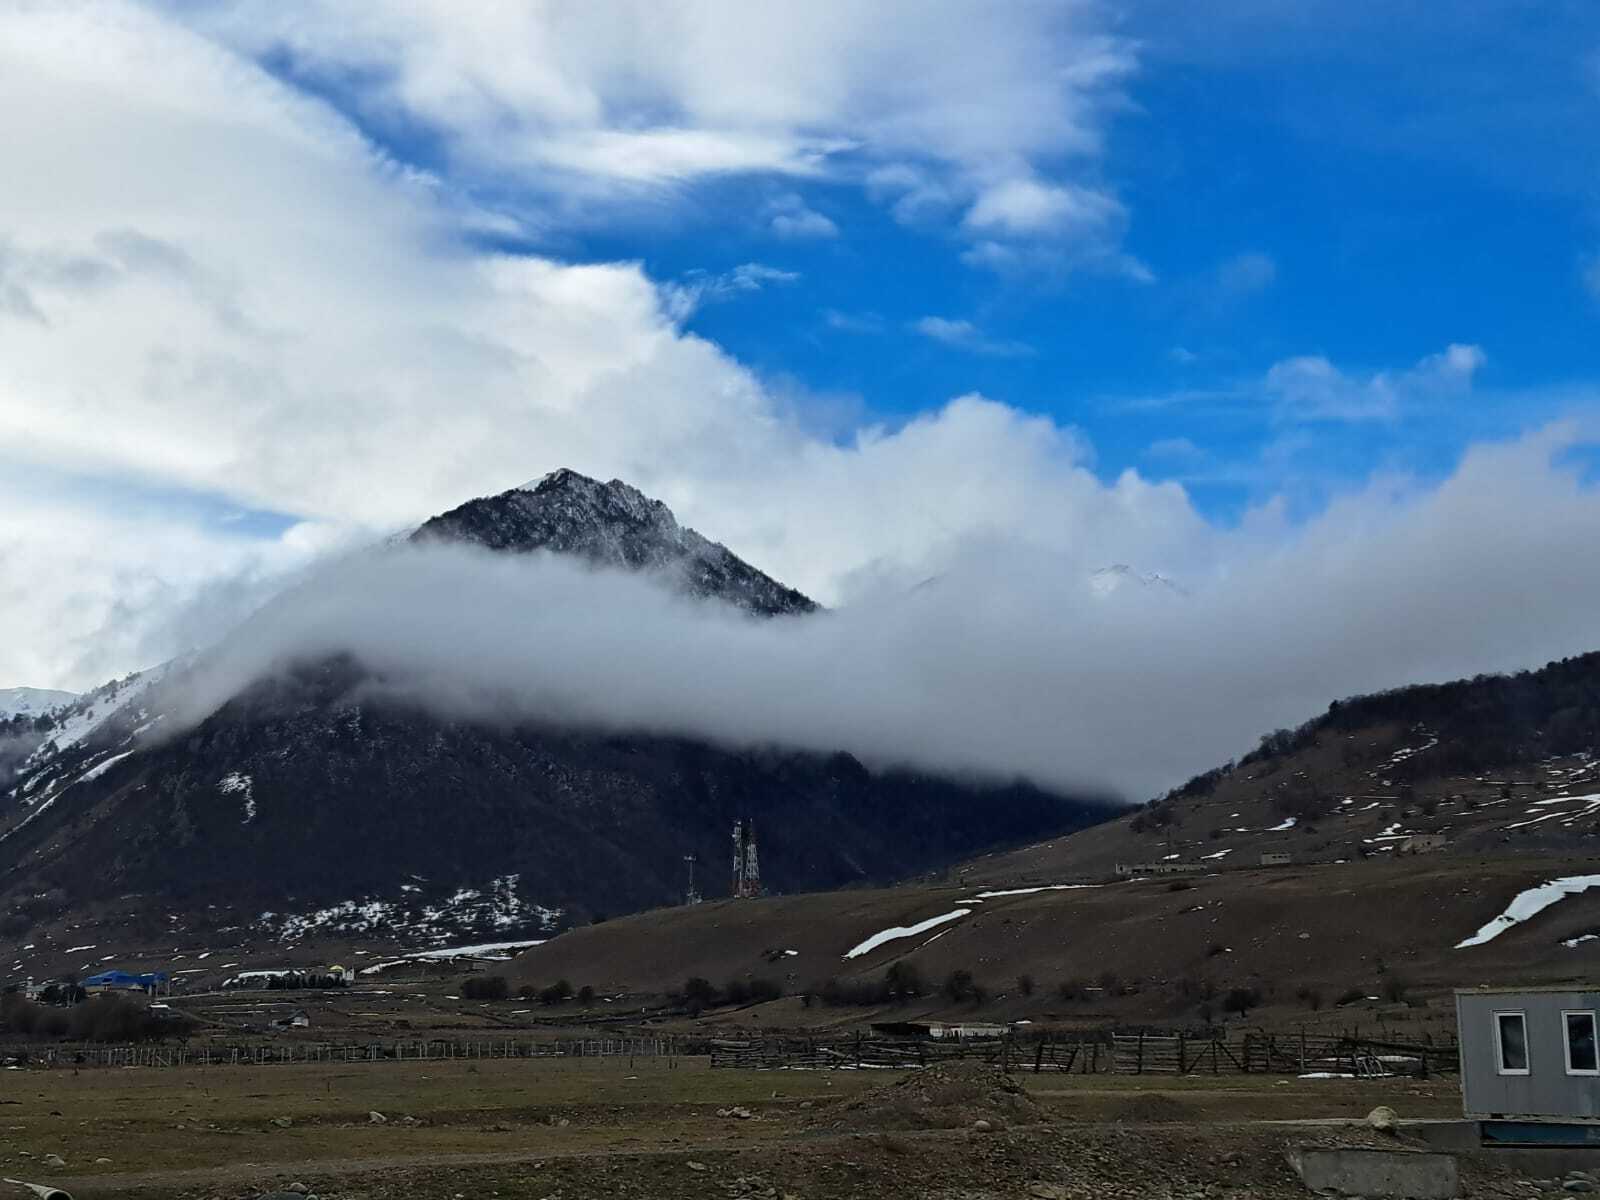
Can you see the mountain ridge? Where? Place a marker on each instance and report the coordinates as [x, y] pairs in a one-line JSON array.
[[310, 802]]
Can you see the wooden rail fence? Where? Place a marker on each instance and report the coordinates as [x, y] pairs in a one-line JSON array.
[[1088, 1054], [263, 1054]]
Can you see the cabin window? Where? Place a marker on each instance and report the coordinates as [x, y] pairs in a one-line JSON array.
[[1511, 1042], [1583, 1058]]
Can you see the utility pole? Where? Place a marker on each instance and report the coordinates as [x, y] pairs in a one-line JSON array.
[[691, 896]]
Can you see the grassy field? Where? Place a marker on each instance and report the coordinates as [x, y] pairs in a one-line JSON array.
[[229, 1132]]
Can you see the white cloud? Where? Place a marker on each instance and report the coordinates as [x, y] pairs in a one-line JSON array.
[[1021, 206], [1246, 274], [964, 335], [793, 219], [1589, 271], [1010, 660], [1311, 388], [937, 113], [865, 323], [1175, 450], [90, 589], [701, 287]]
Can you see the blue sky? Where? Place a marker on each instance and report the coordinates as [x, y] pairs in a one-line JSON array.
[[851, 286], [1288, 202]]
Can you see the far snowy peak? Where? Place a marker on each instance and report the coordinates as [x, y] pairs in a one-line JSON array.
[[612, 525], [31, 702], [1116, 577]]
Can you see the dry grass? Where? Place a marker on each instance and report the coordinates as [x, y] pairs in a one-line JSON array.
[[178, 1119]]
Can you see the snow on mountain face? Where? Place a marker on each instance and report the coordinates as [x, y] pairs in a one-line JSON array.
[[613, 525], [88, 712], [1109, 580], [30, 702]]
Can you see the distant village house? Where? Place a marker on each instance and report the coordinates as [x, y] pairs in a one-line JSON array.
[[1422, 843], [1126, 870]]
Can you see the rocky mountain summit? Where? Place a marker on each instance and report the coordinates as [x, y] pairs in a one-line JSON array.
[[612, 525]]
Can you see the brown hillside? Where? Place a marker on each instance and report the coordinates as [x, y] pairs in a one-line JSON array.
[[1343, 797], [1326, 928]]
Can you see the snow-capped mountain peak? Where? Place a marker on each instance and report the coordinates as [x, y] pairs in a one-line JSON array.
[[31, 702]]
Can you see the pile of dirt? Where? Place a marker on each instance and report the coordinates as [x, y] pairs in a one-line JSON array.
[[949, 1096], [1148, 1108]]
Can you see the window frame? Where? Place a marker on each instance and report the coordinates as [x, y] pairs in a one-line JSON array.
[[1499, 1044], [1566, 1041]]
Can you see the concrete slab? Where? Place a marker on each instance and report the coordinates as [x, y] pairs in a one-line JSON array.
[[1407, 1174]]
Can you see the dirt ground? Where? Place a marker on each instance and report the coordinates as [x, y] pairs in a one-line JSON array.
[[599, 1128]]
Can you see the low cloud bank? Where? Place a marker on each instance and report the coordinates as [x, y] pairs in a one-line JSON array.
[[1011, 661]]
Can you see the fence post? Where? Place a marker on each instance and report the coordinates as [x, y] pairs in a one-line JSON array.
[[1183, 1068], [1038, 1058], [1139, 1069]]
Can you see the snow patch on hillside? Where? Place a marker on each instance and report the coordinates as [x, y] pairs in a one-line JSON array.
[[100, 769], [236, 783], [494, 906], [894, 933], [1528, 904]]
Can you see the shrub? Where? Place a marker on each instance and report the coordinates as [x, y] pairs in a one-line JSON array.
[[959, 986], [1072, 989], [103, 1019], [1241, 1000], [486, 987], [698, 994], [1309, 996], [586, 995], [1350, 996], [1025, 984], [1395, 988], [903, 982], [558, 992], [1180, 885]]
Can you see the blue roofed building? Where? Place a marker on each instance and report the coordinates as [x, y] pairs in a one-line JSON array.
[[124, 981]]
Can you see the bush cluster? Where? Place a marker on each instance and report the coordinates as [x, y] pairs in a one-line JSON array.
[[699, 994], [102, 1019]]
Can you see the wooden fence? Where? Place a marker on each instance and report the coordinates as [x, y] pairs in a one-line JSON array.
[[264, 1054], [1277, 1054], [1095, 1053]]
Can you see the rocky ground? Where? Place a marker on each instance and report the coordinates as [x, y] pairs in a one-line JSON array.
[[607, 1130]]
